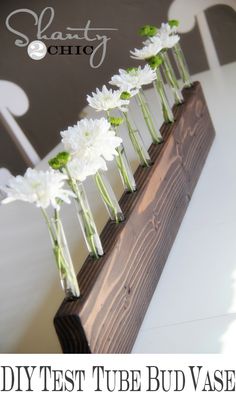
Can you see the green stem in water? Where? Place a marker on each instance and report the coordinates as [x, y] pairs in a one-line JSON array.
[[129, 186], [67, 276], [122, 168], [106, 197], [182, 65], [58, 252], [48, 223], [136, 144], [89, 230], [171, 78], [166, 110], [156, 137]]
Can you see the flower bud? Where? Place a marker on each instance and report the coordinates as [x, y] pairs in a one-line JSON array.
[[132, 69], [173, 23], [125, 96], [148, 30], [115, 121], [154, 62], [60, 160]]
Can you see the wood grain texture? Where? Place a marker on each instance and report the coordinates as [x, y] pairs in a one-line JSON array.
[[116, 289]]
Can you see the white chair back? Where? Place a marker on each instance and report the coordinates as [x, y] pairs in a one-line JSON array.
[[14, 102], [190, 11]]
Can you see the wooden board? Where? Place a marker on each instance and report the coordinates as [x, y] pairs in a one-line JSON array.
[[117, 289]]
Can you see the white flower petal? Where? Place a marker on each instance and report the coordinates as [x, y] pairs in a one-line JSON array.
[[106, 99], [132, 81], [151, 48], [39, 187], [88, 141], [168, 40]]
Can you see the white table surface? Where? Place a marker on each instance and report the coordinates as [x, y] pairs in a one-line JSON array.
[[194, 306]]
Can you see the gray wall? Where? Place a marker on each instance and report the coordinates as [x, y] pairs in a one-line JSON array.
[[57, 86]]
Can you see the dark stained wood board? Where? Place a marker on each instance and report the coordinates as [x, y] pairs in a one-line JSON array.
[[117, 289]]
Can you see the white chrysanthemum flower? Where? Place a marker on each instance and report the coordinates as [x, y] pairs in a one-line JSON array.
[[107, 99], [43, 188], [149, 50], [80, 169], [167, 40], [134, 79], [90, 139], [167, 29]]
